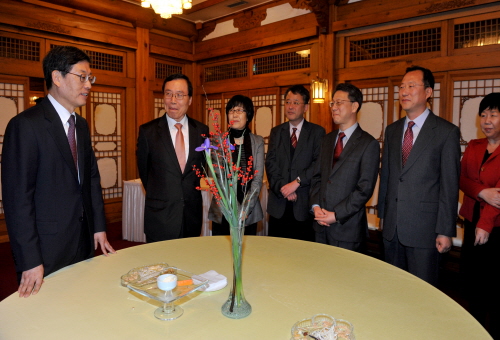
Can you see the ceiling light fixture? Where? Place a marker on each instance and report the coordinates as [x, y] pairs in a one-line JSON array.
[[166, 8]]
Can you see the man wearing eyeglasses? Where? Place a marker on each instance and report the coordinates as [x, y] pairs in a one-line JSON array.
[[51, 188], [165, 159], [418, 194], [293, 151], [345, 175]]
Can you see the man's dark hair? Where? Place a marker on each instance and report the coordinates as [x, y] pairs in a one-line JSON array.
[[61, 58], [299, 89], [353, 92], [491, 102], [239, 100], [428, 76], [178, 76]]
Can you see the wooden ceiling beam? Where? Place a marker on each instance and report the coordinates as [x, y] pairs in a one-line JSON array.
[[202, 5], [372, 12], [125, 11]]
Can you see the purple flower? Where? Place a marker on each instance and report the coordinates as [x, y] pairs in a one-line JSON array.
[[206, 146]]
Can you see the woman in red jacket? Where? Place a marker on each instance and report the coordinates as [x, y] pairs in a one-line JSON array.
[[480, 182]]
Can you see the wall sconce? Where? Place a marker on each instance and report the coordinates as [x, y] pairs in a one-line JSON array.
[[33, 100], [319, 87]]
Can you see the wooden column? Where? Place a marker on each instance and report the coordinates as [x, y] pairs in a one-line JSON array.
[[325, 71], [143, 111]]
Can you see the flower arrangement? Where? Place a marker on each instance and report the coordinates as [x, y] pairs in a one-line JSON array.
[[223, 176]]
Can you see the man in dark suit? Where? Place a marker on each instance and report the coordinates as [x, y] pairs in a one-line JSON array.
[[50, 181], [418, 194], [345, 175], [165, 158], [293, 151]]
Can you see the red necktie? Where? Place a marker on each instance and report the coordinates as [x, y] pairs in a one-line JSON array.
[[72, 140], [293, 138], [179, 147], [407, 142], [338, 148]]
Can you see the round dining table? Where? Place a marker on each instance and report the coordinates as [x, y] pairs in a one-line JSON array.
[[284, 280]]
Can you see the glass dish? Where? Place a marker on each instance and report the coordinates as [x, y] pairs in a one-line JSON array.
[[185, 285], [320, 326], [145, 274]]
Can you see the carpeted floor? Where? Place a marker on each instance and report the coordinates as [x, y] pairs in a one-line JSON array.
[[8, 281]]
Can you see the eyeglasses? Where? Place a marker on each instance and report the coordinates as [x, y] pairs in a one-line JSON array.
[[295, 103], [179, 96], [338, 103], [410, 86], [237, 111], [84, 78]]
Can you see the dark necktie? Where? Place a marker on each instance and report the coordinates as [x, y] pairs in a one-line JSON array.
[[179, 147], [338, 148], [407, 142], [293, 138], [72, 140]]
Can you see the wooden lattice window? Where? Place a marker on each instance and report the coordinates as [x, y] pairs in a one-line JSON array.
[[103, 61], [281, 62], [163, 70], [477, 33], [395, 45], [226, 71], [19, 49]]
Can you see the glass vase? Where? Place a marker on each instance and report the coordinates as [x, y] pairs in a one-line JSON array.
[[236, 306]]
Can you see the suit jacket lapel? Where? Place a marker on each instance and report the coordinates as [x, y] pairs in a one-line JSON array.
[[397, 142], [285, 140], [80, 145], [349, 148], [56, 130], [424, 138], [490, 159], [166, 138], [301, 143], [193, 140]]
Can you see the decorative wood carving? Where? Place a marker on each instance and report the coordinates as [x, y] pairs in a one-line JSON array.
[[207, 28], [446, 6], [320, 8], [250, 19]]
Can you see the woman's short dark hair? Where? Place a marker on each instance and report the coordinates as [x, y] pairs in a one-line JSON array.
[[491, 101], [61, 58], [178, 76], [240, 100]]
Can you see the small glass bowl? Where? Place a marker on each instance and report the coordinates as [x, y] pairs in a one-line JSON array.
[[321, 326]]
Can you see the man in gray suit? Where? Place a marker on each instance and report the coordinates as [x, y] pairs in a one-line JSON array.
[[345, 175], [293, 151], [419, 181]]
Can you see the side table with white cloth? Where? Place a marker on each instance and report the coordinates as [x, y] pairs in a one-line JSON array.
[[133, 211], [134, 198]]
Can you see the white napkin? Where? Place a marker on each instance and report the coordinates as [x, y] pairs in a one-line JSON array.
[[216, 281]]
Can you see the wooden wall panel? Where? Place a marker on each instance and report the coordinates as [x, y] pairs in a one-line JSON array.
[[276, 33], [171, 47], [66, 24]]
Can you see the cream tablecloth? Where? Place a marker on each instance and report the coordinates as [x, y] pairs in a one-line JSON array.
[[284, 280]]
